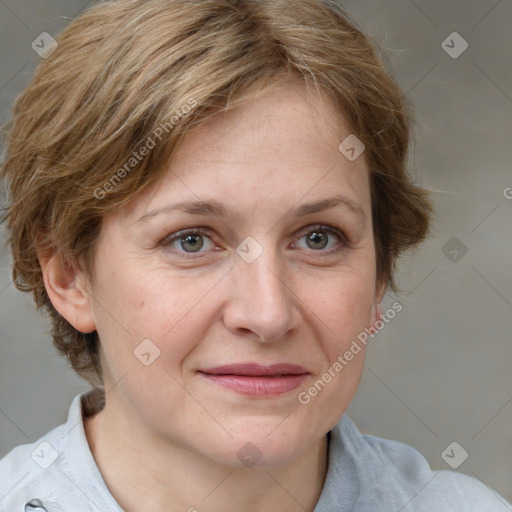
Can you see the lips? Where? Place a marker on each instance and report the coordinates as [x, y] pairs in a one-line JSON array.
[[256, 380], [256, 370]]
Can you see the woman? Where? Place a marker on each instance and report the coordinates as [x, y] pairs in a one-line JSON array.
[[208, 198]]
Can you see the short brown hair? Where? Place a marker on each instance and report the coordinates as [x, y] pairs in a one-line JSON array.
[[125, 69]]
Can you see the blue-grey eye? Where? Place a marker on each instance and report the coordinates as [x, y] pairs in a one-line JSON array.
[[192, 242], [318, 239]]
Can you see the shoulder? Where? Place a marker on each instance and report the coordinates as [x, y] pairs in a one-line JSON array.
[[398, 475], [450, 489], [30, 468], [57, 470]]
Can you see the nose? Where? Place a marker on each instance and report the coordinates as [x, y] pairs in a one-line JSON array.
[[262, 302]]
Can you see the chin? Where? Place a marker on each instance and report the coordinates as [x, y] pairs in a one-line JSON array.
[[260, 447]]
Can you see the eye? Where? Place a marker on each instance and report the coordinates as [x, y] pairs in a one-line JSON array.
[[191, 241], [318, 238], [188, 241]]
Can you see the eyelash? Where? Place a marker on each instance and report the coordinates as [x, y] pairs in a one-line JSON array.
[[344, 242]]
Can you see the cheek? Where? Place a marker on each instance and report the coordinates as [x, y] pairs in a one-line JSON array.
[[342, 303], [342, 307], [156, 305]]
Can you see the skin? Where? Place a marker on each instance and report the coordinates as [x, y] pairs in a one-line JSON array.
[[167, 437]]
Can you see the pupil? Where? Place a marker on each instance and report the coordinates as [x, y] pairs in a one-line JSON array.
[[195, 241], [196, 245], [316, 238]]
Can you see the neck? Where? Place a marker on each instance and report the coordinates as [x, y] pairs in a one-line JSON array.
[[140, 467]]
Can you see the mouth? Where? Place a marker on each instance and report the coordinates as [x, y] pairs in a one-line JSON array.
[[257, 380]]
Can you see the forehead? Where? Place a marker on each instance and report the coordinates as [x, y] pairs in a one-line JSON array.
[[280, 147]]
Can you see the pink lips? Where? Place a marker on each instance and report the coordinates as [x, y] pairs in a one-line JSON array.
[[257, 380]]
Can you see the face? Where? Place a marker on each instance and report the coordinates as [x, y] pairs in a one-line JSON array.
[[261, 279]]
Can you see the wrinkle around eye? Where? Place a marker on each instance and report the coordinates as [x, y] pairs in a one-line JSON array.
[[178, 237]]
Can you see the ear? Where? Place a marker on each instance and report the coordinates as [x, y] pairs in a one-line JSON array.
[[376, 313], [68, 290]]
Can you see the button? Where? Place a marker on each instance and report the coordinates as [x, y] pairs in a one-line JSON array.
[[35, 505]]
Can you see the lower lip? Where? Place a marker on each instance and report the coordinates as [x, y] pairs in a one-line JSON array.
[[258, 386]]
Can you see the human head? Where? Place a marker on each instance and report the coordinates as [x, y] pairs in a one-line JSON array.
[[123, 69]]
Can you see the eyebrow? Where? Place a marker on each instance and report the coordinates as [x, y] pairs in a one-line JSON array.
[[220, 210]]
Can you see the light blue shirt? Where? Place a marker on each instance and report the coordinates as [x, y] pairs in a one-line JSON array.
[[58, 473]]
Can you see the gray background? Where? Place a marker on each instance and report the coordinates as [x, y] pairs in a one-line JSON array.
[[440, 371]]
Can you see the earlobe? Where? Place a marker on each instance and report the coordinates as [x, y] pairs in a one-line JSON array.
[[67, 289], [376, 313]]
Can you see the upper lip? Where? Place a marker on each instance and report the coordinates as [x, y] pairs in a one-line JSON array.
[[253, 369]]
